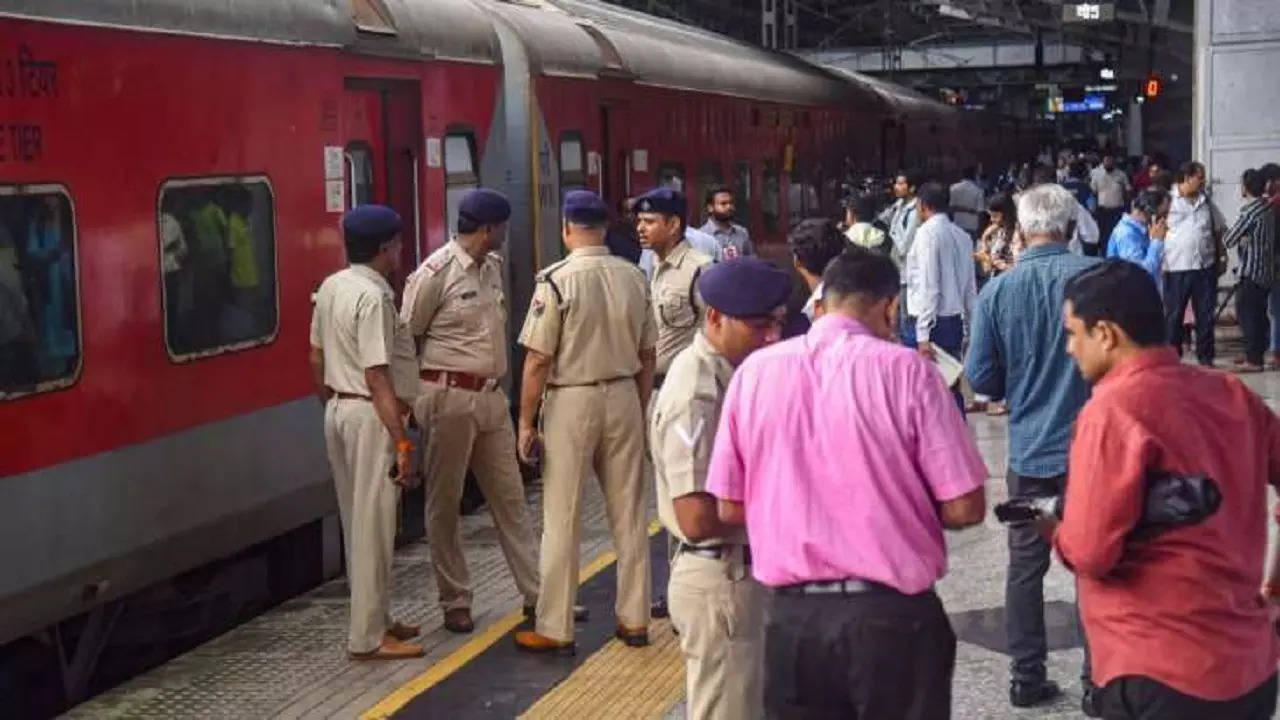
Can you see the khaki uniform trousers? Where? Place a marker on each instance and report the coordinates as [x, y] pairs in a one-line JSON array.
[[590, 428], [361, 456], [468, 429], [718, 608]]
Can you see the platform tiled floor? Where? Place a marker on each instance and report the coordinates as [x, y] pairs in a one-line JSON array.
[[291, 662]]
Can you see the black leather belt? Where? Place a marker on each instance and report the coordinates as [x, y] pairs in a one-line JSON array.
[[850, 586], [589, 384], [715, 552]]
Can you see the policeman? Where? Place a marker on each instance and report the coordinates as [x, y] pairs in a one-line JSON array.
[[676, 305], [715, 604], [590, 337], [455, 307], [362, 363]]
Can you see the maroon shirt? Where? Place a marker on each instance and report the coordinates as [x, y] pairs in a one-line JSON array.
[[1181, 608]]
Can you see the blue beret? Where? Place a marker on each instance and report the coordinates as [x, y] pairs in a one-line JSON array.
[[586, 207], [371, 221], [485, 206], [660, 200], [744, 287]]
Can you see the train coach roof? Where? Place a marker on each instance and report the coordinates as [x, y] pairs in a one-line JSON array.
[[587, 37], [899, 99], [453, 29]]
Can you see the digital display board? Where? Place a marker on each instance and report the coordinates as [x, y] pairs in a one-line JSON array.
[[1090, 103]]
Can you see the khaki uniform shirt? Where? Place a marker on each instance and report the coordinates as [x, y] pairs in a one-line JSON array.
[[590, 312], [682, 430], [456, 310], [354, 323], [677, 306]]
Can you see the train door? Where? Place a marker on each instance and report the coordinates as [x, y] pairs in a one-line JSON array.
[[382, 152], [383, 157], [615, 154]]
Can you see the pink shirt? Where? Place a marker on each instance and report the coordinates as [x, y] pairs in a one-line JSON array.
[[840, 446]]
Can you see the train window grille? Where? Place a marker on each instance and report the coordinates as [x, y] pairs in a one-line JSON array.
[[359, 157], [742, 192], [671, 175], [771, 197], [573, 175], [218, 265], [460, 175], [709, 175], [40, 332]]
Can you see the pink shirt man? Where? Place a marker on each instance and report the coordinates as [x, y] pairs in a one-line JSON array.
[[840, 446]]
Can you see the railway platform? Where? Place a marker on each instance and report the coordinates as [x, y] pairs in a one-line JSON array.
[[290, 663]]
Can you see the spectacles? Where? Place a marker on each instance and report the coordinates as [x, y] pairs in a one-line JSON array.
[[762, 323]]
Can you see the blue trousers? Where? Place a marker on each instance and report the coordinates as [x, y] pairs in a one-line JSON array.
[[947, 333]]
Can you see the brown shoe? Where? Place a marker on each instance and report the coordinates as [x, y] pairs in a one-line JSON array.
[[403, 631], [530, 641], [633, 637], [390, 649], [458, 620]]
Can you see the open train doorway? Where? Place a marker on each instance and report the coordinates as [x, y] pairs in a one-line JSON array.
[[382, 152]]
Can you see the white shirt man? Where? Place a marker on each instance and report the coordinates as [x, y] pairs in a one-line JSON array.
[[1110, 186], [940, 274], [1192, 224], [1086, 232]]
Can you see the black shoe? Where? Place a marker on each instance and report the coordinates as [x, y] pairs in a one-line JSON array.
[[1026, 693], [1088, 701], [632, 637], [580, 613], [659, 608]]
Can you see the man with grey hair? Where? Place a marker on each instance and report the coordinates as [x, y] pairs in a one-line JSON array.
[[1017, 351]]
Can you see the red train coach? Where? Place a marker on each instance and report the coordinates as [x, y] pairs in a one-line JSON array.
[[172, 173]]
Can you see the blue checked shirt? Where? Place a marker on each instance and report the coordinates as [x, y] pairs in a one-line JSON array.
[[1018, 351]]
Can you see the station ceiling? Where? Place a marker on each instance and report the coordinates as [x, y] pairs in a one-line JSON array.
[[1160, 27]]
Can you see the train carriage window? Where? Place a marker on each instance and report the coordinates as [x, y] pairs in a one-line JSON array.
[[709, 175], [218, 259], [671, 175], [39, 298], [771, 197], [742, 192], [573, 174], [460, 175]]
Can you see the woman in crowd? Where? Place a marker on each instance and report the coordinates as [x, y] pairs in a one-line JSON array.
[[997, 251]]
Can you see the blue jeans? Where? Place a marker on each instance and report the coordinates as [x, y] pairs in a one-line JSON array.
[[947, 334]]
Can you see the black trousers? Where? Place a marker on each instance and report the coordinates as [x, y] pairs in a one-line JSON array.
[[1029, 559], [879, 655], [1140, 698], [1251, 310], [1200, 287], [1107, 219]]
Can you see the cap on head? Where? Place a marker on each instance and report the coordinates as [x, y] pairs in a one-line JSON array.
[[660, 200], [744, 287], [584, 207], [484, 207], [371, 221]]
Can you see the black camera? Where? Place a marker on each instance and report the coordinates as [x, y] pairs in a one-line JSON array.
[[1019, 511], [1171, 501]]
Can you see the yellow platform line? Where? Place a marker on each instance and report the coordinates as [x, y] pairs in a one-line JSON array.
[[458, 659], [620, 682]]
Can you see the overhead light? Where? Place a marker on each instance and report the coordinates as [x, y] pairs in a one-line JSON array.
[[1107, 73], [954, 12]]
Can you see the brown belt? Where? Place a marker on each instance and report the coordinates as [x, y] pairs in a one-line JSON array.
[[351, 396], [466, 381]]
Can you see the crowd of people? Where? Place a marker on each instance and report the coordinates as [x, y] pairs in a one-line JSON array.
[[806, 463]]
